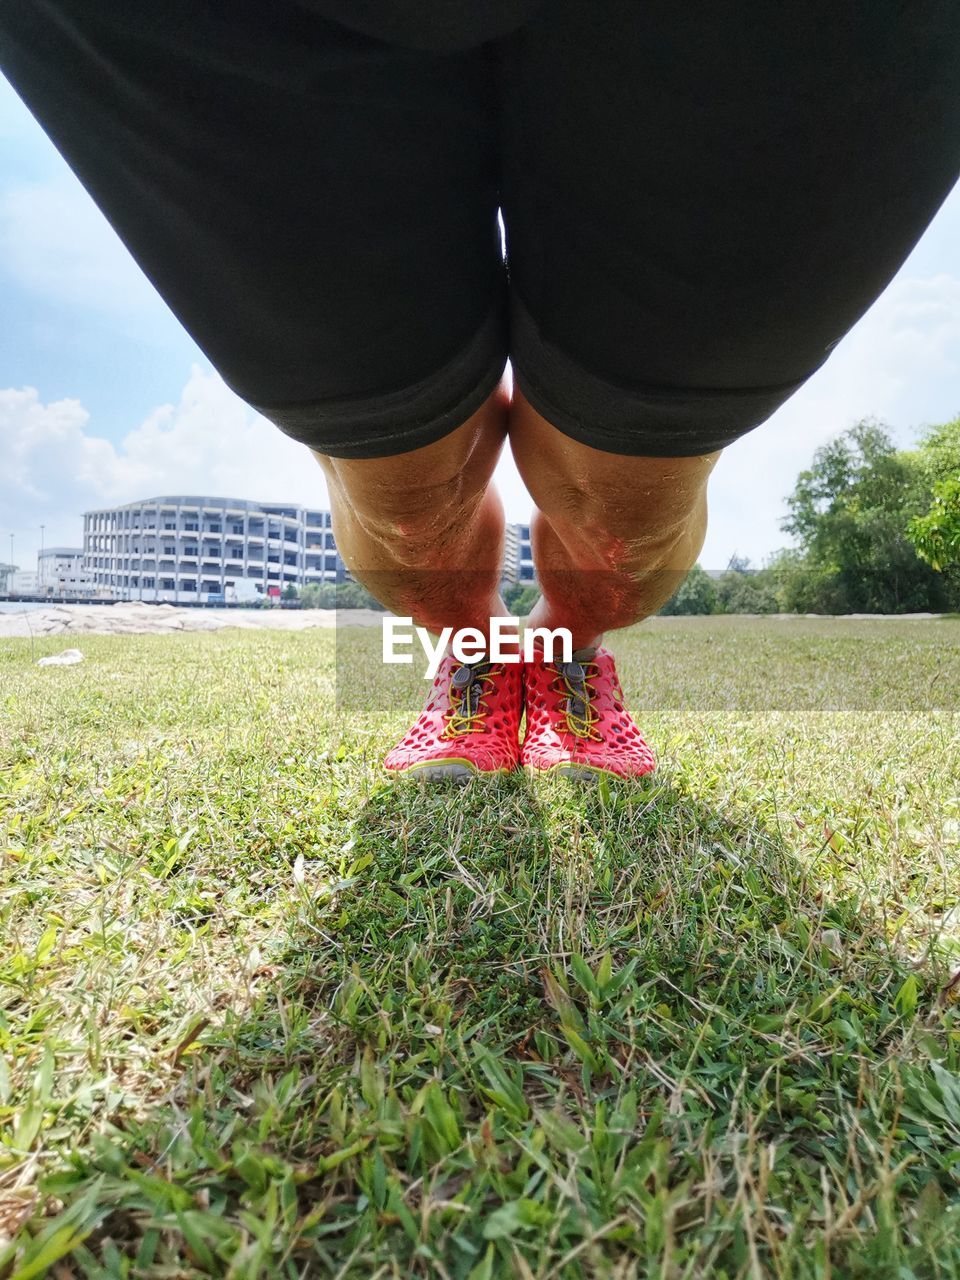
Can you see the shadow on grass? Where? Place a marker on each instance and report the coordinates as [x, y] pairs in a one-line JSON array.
[[530, 1030]]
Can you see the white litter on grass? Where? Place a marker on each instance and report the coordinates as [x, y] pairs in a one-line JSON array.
[[65, 659]]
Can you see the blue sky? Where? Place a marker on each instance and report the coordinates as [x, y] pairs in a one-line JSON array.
[[104, 398]]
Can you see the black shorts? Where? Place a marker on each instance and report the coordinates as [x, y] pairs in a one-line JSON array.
[[699, 200]]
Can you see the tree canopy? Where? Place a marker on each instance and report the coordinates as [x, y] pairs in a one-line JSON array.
[[877, 530]]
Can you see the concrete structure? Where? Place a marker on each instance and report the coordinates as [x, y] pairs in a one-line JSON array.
[[24, 582], [511, 556], [60, 572], [525, 571], [6, 573], [517, 556], [191, 550], [205, 550]]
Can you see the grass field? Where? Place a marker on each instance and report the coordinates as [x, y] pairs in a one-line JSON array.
[[265, 1013]]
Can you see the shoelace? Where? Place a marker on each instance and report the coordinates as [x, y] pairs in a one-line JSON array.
[[467, 706], [580, 716]]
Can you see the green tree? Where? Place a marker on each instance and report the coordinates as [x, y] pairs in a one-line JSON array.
[[695, 595], [319, 595], [936, 532], [338, 595], [353, 595], [746, 590], [520, 597], [849, 512]]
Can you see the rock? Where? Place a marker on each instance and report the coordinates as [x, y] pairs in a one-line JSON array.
[[137, 618]]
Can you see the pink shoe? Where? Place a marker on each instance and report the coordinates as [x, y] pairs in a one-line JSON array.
[[470, 724], [577, 725]]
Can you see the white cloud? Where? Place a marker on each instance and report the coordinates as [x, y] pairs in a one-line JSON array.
[[208, 443]]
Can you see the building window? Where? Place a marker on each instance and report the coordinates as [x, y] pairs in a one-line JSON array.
[[191, 526], [188, 584], [166, 584], [190, 551], [169, 551], [237, 553], [169, 524], [214, 526]]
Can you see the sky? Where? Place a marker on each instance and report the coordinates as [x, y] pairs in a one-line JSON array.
[[105, 399]]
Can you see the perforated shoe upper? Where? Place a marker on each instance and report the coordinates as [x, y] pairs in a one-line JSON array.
[[471, 718], [576, 718]]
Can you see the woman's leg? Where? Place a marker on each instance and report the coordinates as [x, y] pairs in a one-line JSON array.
[[423, 530], [613, 536]]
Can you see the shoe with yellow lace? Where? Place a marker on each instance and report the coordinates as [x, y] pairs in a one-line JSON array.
[[470, 724], [577, 725]]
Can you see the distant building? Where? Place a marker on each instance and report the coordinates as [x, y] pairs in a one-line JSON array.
[[525, 572], [24, 582], [511, 556], [517, 558], [6, 573], [60, 572], [181, 550], [203, 550]]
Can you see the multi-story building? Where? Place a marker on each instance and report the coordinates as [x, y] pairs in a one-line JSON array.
[[202, 550], [525, 570], [60, 572], [517, 556], [511, 556], [6, 574], [199, 550]]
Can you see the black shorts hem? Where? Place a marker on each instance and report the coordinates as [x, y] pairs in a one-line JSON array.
[[659, 422], [381, 425]]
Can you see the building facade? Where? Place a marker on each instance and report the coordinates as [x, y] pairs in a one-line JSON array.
[[525, 571], [204, 550], [517, 556], [207, 550], [60, 572], [511, 557], [23, 582]]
